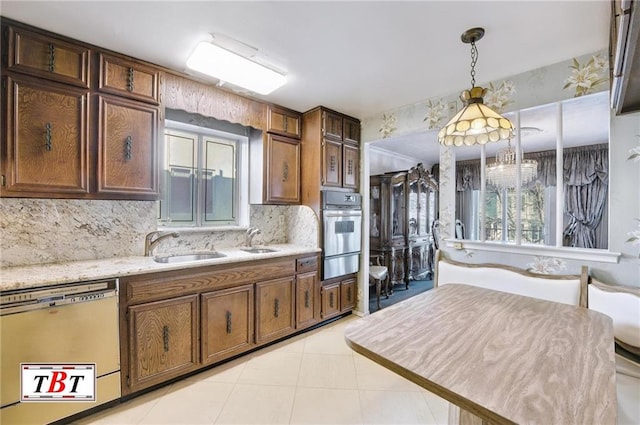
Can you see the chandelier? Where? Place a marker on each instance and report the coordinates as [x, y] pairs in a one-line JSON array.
[[476, 123], [502, 173]]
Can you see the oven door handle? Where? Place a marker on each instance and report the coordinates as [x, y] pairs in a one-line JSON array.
[[341, 213]]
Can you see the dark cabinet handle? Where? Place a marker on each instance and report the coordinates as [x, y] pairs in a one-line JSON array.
[[276, 308], [306, 298], [47, 136], [332, 163], [52, 57], [228, 322], [165, 337], [350, 167], [128, 145], [285, 171], [331, 299], [349, 294], [130, 79]]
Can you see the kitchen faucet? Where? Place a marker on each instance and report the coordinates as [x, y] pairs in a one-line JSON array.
[[150, 243], [251, 233]]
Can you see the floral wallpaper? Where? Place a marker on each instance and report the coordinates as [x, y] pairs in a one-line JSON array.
[[546, 265], [634, 235], [435, 114], [585, 78], [501, 96], [388, 125]]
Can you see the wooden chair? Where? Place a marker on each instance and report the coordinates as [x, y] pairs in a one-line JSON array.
[[622, 304], [567, 289], [379, 273]]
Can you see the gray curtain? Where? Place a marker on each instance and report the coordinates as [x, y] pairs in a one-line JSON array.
[[586, 176]]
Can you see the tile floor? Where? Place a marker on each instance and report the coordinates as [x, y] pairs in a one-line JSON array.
[[313, 378]]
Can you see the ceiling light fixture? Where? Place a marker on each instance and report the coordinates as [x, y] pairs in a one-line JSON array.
[[232, 68], [503, 172], [476, 123]]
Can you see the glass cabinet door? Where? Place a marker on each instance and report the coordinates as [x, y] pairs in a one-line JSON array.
[[423, 223], [374, 207], [398, 209], [414, 208]]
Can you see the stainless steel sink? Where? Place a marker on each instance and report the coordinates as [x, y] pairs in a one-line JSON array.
[[253, 250], [181, 258]]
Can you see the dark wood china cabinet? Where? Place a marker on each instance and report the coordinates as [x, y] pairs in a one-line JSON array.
[[403, 206]]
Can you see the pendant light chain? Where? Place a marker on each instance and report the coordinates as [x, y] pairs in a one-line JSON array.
[[474, 59]]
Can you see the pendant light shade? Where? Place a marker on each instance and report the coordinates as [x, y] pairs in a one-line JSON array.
[[476, 123]]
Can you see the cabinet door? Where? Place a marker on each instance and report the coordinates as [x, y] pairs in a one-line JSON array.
[[163, 340], [227, 323], [350, 166], [47, 142], [46, 57], [127, 143], [330, 300], [129, 79], [351, 130], [306, 299], [284, 122], [347, 295], [331, 163], [283, 170], [274, 309], [332, 125]]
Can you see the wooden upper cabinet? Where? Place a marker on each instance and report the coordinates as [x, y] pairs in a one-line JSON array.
[[282, 170], [331, 125], [125, 77], [351, 130], [350, 166], [331, 163], [127, 158], [47, 57], [284, 122], [47, 138]]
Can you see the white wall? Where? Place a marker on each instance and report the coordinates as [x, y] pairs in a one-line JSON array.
[[383, 161]]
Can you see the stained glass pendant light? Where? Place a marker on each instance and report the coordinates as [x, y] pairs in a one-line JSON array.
[[476, 123]]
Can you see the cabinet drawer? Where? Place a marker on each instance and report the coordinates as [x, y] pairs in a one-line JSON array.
[[307, 264], [129, 79], [47, 57]]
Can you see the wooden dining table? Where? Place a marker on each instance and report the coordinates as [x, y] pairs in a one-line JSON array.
[[502, 358]]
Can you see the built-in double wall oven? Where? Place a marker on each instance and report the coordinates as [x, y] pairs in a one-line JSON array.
[[341, 233]]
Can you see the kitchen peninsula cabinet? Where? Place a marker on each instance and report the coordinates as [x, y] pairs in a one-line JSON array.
[[330, 154], [163, 340]]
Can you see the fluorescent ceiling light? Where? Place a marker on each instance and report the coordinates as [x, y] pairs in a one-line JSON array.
[[232, 68]]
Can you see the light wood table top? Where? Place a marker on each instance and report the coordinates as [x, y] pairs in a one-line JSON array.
[[502, 357]]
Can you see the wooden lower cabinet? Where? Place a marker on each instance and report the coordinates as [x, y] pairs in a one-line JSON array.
[[163, 340], [330, 300], [347, 295], [275, 306], [307, 300], [227, 323]]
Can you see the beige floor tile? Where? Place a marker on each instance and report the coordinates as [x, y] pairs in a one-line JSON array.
[[372, 376], [395, 407], [439, 407], [628, 390], [189, 403], [324, 406], [258, 404], [127, 413], [272, 368], [327, 371], [327, 343], [227, 372]]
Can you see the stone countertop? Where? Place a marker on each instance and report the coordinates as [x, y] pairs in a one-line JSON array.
[[12, 278]]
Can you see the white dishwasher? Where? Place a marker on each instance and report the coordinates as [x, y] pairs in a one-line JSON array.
[[71, 323]]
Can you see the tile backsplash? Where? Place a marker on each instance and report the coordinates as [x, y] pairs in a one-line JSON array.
[[38, 231]]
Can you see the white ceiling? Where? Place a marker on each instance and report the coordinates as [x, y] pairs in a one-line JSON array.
[[359, 57]]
